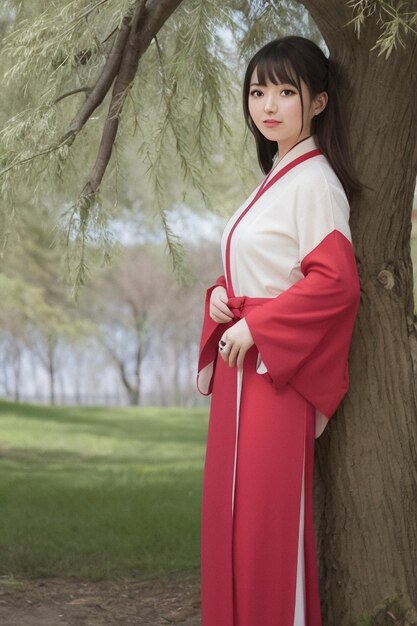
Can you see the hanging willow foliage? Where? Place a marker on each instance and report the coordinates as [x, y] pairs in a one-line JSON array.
[[86, 52], [395, 22], [164, 69]]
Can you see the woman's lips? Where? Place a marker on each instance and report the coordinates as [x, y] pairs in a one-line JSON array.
[[271, 123]]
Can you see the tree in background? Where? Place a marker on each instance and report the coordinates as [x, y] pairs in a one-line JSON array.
[[367, 458], [178, 323], [15, 315], [38, 317], [146, 319], [54, 331], [123, 302], [139, 327], [28, 323]]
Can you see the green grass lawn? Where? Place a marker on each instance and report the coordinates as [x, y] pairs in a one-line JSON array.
[[93, 492]]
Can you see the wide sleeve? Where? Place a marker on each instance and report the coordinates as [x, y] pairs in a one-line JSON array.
[[303, 335], [210, 337]]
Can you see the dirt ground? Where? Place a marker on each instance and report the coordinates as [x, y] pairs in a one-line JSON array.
[[70, 602]]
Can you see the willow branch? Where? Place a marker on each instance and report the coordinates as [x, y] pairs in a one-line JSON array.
[[71, 93], [90, 10], [32, 157], [146, 23], [127, 71], [104, 81], [95, 96], [133, 38], [109, 36]]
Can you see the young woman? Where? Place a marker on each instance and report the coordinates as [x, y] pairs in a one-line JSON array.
[[275, 343]]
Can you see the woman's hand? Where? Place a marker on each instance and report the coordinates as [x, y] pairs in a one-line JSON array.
[[236, 342], [219, 311]]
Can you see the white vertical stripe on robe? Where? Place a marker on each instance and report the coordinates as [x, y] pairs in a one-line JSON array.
[[239, 391], [300, 590]]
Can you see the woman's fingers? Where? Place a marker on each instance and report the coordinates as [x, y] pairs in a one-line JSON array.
[[219, 311], [223, 308], [224, 355], [220, 318], [230, 352], [224, 347], [240, 358], [220, 314], [234, 351], [235, 342]]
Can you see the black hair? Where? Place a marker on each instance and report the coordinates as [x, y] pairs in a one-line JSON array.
[[289, 60]]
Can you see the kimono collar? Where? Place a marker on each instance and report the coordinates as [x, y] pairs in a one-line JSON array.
[[306, 145]]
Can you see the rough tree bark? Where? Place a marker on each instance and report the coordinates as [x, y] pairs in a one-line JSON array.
[[366, 465]]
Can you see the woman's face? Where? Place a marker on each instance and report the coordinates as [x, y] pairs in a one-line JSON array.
[[276, 110]]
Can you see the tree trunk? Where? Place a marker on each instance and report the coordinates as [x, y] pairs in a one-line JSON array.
[[138, 377], [133, 397], [17, 370], [132, 389], [176, 361], [5, 371], [366, 477], [51, 370]]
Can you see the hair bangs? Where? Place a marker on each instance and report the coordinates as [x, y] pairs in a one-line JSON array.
[[277, 70]]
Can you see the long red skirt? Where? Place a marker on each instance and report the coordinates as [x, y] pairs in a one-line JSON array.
[[258, 554]]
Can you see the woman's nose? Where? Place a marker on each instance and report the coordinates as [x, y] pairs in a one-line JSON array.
[[270, 105]]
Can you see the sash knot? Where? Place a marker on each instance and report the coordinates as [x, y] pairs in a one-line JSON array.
[[239, 305]]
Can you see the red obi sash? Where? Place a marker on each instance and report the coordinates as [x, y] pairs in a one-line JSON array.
[[212, 331]]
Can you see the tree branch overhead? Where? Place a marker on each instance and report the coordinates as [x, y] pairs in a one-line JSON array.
[[135, 35]]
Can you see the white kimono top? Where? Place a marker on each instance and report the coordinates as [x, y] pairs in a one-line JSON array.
[[294, 246]]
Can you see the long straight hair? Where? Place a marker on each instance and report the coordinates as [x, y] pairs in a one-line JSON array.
[[290, 60]]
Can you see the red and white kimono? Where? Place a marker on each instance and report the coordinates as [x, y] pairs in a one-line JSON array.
[[290, 271]]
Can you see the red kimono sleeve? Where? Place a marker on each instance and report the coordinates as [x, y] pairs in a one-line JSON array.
[[303, 335], [210, 337]]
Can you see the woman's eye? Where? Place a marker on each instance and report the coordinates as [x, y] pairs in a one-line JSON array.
[[288, 91], [256, 93]]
